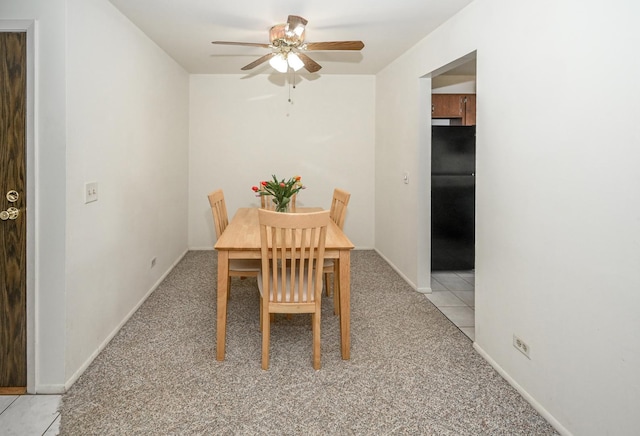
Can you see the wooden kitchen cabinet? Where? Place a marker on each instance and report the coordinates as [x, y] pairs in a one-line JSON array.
[[446, 106], [454, 106]]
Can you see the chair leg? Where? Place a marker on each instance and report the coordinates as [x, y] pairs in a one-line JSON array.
[[315, 321], [327, 291], [265, 341]]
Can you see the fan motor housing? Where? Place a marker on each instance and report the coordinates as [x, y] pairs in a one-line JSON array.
[[279, 35]]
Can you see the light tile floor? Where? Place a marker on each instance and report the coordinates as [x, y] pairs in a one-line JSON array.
[[453, 293], [27, 415]]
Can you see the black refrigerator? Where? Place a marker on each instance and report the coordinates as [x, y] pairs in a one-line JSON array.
[[453, 197]]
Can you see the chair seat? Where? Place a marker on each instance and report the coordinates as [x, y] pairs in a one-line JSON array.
[[244, 265]]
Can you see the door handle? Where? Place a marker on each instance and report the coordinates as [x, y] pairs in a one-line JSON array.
[[10, 214]]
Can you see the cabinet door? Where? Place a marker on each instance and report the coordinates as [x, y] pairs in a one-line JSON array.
[[469, 118], [446, 106]]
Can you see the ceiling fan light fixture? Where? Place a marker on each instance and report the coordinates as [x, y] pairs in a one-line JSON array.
[[279, 63], [288, 45], [294, 61]]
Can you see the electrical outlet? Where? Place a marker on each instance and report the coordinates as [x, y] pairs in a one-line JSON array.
[[521, 346], [153, 261], [90, 192]]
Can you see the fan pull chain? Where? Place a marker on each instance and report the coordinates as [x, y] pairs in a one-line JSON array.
[[291, 78], [294, 85]]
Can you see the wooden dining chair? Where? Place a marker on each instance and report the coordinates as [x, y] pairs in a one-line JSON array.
[[337, 212], [292, 251], [237, 267]]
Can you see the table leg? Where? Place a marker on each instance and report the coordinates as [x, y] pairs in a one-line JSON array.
[[345, 303], [223, 294], [336, 287]]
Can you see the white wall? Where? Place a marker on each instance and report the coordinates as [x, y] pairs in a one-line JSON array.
[[453, 85], [128, 131], [244, 130], [46, 370], [558, 211]]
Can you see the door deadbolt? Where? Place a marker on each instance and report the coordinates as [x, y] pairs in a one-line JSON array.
[[13, 196], [9, 214]]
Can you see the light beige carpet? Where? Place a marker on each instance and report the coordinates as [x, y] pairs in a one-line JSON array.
[[411, 370]]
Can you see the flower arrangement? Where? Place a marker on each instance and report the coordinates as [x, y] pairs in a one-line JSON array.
[[279, 191]]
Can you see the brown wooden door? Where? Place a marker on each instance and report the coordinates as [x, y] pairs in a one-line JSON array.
[[13, 228]]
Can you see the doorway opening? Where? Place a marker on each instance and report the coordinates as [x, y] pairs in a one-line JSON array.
[[452, 201]]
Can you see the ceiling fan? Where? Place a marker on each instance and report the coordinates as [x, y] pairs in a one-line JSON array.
[[287, 43]]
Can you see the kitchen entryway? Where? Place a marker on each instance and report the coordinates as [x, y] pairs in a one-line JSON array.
[[453, 201]]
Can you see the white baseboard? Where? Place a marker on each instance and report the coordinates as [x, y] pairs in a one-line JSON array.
[[405, 278], [541, 410], [50, 390], [115, 331]]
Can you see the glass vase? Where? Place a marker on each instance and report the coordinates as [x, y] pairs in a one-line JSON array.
[[284, 206]]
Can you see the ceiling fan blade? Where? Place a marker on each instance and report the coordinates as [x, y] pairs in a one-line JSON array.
[[258, 61], [294, 22], [309, 64], [335, 45], [249, 44]]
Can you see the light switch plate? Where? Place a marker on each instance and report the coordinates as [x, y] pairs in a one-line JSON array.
[[90, 192]]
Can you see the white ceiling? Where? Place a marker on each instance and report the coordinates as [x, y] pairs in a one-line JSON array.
[[185, 29]]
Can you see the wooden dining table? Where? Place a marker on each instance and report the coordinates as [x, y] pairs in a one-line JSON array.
[[241, 240]]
